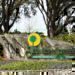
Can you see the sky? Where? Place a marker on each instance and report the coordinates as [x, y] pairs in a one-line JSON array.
[[35, 23]]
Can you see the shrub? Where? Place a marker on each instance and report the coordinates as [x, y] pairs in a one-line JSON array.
[[66, 37]]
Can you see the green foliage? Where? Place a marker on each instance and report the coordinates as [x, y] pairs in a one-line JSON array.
[[16, 31], [45, 48], [46, 51], [28, 33], [39, 33], [26, 66], [49, 51], [40, 49], [60, 56], [66, 37], [30, 65], [32, 51]]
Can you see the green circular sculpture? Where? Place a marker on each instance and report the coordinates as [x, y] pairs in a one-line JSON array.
[[34, 39]]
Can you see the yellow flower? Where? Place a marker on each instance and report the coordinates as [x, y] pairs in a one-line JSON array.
[[34, 39]]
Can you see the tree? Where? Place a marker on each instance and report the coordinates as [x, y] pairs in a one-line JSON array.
[[16, 31], [52, 11], [9, 13], [9, 9]]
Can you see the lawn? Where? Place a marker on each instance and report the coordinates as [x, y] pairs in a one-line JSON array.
[[35, 65]]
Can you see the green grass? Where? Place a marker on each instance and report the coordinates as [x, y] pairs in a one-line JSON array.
[[30, 65]]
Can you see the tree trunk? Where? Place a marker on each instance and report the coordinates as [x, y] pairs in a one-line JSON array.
[[1, 31], [6, 27], [50, 31]]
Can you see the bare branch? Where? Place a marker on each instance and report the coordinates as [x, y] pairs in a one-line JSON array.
[[42, 6], [17, 11], [43, 15]]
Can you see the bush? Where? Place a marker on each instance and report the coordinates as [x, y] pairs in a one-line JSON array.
[[33, 50], [66, 37]]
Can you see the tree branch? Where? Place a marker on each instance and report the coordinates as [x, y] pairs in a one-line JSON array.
[[17, 11]]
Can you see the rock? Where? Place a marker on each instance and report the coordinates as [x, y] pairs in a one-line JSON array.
[[55, 44], [6, 53], [22, 52]]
